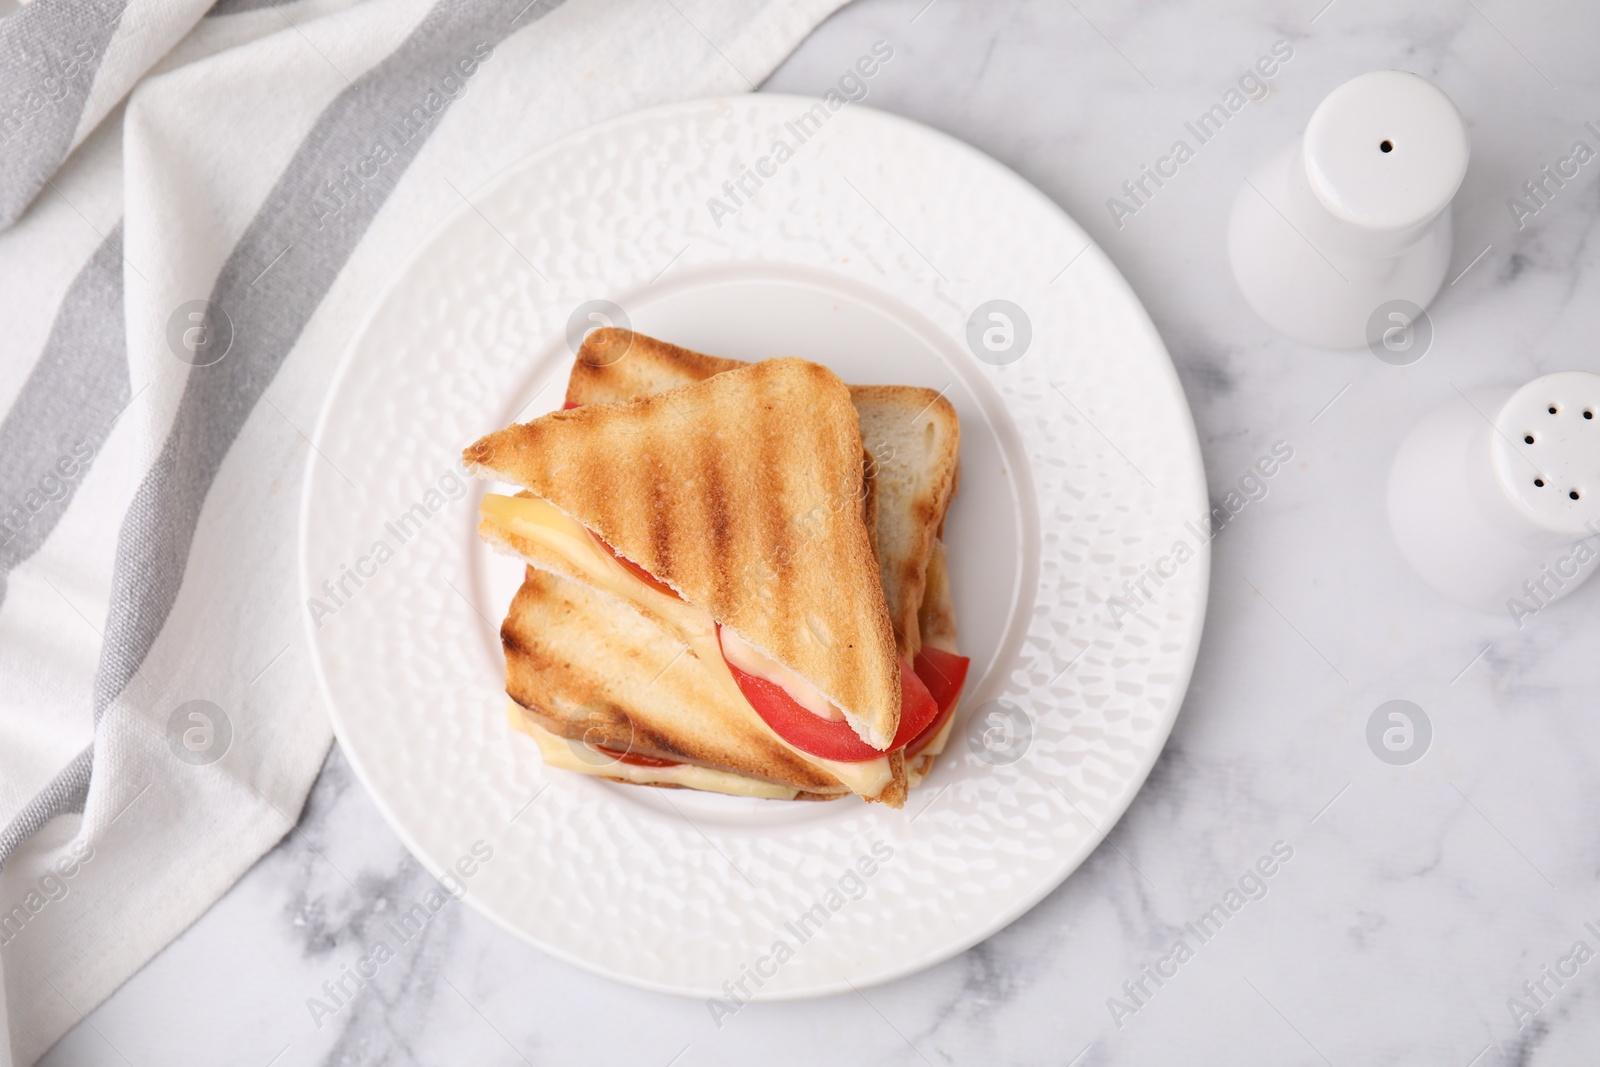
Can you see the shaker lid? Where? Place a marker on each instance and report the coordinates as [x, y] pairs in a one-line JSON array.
[[1386, 150], [1546, 451]]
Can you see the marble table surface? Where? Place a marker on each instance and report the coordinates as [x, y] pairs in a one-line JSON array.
[[1416, 901]]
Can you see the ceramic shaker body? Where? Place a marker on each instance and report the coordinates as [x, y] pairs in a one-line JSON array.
[[1495, 500], [1353, 215]]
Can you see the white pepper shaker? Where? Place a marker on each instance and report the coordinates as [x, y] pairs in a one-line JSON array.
[[1353, 215], [1495, 499]]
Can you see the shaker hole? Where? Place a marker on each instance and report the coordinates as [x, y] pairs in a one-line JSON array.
[[1554, 409], [1386, 145], [1588, 413], [1539, 482], [1528, 439], [1573, 494]]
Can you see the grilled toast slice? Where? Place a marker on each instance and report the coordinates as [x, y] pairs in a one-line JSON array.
[[615, 365], [585, 669], [564, 753], [744, 494], [555, 543], [914, 439], [911, 434]]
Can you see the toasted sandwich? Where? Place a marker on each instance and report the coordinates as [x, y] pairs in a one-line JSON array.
[[702, 567]]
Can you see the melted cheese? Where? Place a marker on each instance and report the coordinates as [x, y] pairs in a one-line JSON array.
[[935, 747], [542, 522], [752, 660], [940, 739], [568, 755]]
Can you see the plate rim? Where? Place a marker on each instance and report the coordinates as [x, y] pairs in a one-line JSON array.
[[944, 950]]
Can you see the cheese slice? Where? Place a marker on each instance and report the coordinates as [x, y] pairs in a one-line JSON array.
[[940, 739], [918, 767], [568, 755], [534, 519], [751, 660]]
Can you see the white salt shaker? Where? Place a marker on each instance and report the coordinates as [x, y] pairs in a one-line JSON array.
[[1352, 220], [1495, 499]]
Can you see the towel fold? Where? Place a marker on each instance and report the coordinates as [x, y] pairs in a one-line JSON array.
[[198, 208]]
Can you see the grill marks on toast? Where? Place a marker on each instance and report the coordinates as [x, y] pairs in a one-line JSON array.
[[614, 365], [602, 375], [793, 572], [660, 526], [719, 521], [911, 435], [562, 641]]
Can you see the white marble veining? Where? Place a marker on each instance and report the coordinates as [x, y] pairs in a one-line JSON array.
[[1418, 899]]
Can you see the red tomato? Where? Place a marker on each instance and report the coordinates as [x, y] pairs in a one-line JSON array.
[[833, 738], [635, 759], [917, 707], [637, 571], [569, 405], [925, 738], [944, 673]]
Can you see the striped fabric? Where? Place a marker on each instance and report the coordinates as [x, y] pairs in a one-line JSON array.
[[195, 212]]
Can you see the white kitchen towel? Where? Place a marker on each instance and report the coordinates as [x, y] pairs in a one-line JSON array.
[[201, 208]]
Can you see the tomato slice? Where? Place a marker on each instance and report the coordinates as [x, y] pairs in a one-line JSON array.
[[569, 405], [944, 673], [634, 758], [833, 738], [925, 738], [637, 571], [917, 707]]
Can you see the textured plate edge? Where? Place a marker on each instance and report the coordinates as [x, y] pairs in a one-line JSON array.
[[1046, 885]]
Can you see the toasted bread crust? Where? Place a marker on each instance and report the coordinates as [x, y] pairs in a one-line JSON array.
[[587, 667], [914, 438], [802, 795], [744, 493], [615, 365], [937, 616], [894, 794]]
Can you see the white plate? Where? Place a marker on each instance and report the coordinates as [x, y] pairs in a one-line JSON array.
[[868, 251]]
